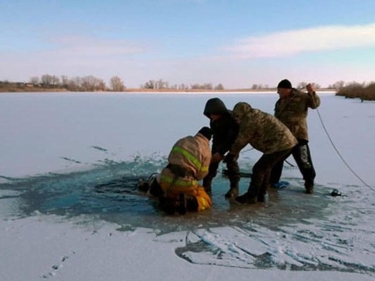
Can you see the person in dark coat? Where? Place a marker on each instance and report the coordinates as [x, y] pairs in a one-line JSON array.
[[224, 132]]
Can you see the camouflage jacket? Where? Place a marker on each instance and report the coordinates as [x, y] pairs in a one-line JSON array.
[[292, 111], [261, 130]]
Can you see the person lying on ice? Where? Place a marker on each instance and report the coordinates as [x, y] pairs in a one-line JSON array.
[[177, 185]]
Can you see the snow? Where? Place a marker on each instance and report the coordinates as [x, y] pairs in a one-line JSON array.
[[56, 147]]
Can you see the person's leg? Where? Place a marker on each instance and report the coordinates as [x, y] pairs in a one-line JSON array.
[[257, 178], [234, 178], [272, 159], [167, 204], [196, 199], [277, 170], [155, 189], [212, 171], [260, 177], [302, 156]]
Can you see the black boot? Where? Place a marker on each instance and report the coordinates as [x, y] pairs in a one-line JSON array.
[[168, 205], [261, 198], [232, 192], [181, 204], [246, 199], [309, 188], [191, 204]]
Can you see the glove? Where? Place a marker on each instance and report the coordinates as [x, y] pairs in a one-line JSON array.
[[229, 158]]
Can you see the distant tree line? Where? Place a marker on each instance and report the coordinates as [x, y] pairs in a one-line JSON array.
[[161, 84], [82, 84], [364, 91], [91, 83]]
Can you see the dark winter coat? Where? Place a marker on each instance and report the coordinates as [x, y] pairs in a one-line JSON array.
[[225, 129]]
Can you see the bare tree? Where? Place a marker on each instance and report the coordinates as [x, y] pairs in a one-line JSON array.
[[116, 84], [316, 86], [149, 85], [337, 85], [160, 84], [206, 86], [302, 85], [75, 84], [64, 81], [91, 83], [34, 80], [46, 80], [219, 87], [183, 87]]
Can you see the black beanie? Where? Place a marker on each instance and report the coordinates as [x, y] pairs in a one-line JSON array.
[[285, 84], [206, 132]]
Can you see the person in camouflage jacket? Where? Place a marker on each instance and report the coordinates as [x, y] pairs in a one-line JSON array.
[[291, 109], [267, 134]]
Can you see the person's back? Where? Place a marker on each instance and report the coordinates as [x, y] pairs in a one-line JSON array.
[[267, 134], [261, 130], [188, 163]]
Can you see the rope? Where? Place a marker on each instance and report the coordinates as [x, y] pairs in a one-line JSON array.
[[339, 154]]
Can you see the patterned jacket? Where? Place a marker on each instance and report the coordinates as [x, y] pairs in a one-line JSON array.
[[261, 130], [292, 111], [188, 160]]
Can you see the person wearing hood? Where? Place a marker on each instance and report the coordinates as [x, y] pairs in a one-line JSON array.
[[291, 109], [177, 185], [224, 132], [267, 134]]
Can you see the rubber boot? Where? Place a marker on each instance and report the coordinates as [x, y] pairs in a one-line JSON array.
[[309, 187], [232, 192], [246, 199], [261, 198]]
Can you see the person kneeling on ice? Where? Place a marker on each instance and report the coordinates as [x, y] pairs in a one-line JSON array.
[[177, 185], [267, 134]]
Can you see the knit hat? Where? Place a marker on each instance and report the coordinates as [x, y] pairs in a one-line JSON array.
[[206, 132], [285, 84]]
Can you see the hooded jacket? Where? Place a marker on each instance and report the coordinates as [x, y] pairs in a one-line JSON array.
[[292, 111], [225, 129], [192, 156], [261, 130]]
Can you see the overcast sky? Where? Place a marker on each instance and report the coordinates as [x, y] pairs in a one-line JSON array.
[[237, 43]]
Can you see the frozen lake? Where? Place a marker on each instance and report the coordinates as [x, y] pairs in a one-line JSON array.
[[79, 156]]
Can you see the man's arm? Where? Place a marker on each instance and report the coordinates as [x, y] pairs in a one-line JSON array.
[[314, 100]]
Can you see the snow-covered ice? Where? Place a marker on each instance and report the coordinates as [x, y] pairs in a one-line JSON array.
[[70, 211]]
